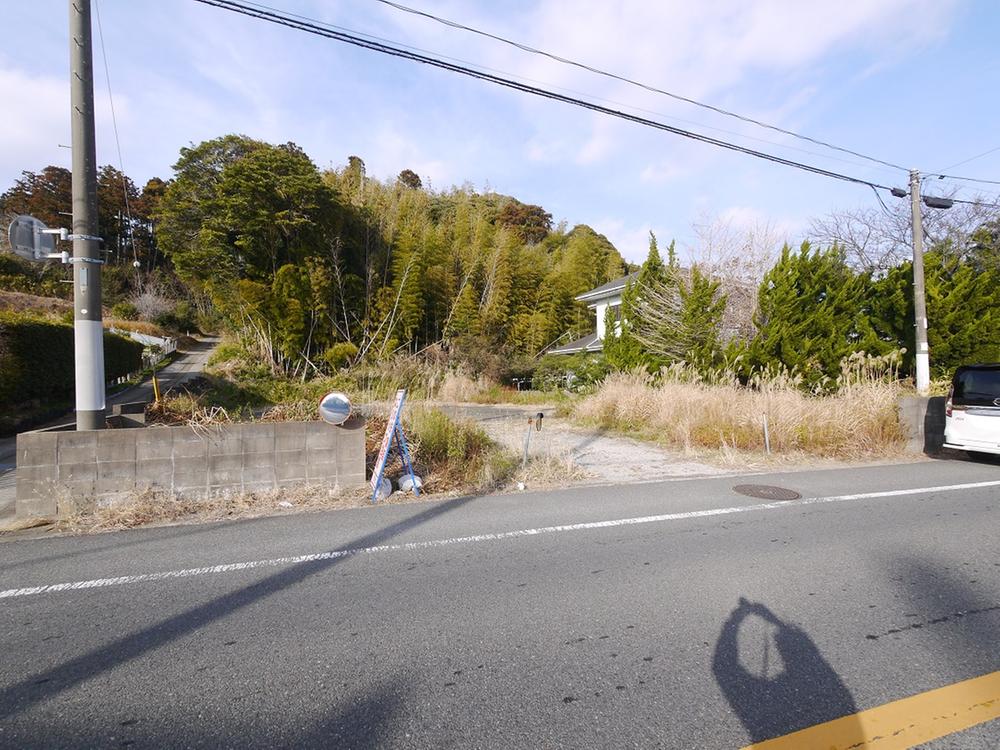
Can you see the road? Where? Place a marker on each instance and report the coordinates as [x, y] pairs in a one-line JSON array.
[[673, 614], [188, 365]]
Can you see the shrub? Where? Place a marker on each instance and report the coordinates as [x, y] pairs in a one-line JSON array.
[[37, 359], [181, 317], [556, 371], [340, 355], [457, 453], [125, 311]]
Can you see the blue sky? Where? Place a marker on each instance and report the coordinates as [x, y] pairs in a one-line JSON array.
[[910, 81]]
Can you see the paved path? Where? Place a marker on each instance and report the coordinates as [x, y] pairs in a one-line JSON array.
[[671, 614], [188, 365]]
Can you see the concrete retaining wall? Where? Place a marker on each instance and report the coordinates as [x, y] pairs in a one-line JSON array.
[[922, 419], [241, 457]]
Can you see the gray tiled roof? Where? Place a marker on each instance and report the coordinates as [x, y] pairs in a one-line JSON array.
[[609, 289], [589, 343]]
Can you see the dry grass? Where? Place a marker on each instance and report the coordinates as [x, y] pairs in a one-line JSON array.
[[153, 507], [550, 470], [459, 387], [21, 302], [450, 455], [139, 326], [859, 420]]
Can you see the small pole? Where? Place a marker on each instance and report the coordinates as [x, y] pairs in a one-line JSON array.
[[767, 436], [527, 442]]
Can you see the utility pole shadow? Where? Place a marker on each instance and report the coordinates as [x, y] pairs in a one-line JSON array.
[[774, 676]]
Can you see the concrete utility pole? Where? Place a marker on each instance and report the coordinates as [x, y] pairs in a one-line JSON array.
[[87, 325], [919, 303]]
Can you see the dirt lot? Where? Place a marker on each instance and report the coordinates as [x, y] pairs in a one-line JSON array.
[[605, 457], [602, 457]]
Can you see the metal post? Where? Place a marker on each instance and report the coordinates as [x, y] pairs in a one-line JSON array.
[[527, 442], [88, 329], [919, 303]]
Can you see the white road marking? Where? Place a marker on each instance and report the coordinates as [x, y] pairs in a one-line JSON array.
[[492, 537]]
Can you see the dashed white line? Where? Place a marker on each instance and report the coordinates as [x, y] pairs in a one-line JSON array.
[[491, 537]]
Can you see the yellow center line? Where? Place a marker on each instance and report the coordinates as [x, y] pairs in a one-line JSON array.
[[904, 723]]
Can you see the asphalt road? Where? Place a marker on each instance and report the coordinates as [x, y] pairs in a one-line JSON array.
[[521, 621]]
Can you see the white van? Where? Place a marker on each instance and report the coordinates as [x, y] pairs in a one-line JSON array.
[[972, 412]]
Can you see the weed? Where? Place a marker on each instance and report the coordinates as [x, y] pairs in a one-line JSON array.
[[684, 411]]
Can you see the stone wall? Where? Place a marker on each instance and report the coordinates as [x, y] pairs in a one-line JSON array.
[[239, 457]]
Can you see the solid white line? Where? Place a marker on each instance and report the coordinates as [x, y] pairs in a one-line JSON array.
[[492, 537]]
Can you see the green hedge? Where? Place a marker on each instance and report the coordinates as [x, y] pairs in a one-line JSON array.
[[36, 359]]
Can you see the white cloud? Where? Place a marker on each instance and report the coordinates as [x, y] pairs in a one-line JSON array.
[[36, 122]]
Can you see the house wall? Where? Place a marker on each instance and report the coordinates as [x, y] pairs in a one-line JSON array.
[[601, 309]]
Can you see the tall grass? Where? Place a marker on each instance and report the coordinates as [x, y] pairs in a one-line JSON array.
[[450, 455], [683, 410]]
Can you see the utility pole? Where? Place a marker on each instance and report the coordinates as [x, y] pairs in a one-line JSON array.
[[87, 326], [919, 302]]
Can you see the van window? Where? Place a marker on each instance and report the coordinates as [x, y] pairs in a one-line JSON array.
[[976, 386]]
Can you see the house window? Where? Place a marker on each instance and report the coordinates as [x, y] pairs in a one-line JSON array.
[[616, 313]]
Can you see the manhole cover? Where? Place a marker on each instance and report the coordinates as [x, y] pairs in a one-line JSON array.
[[766, 492]]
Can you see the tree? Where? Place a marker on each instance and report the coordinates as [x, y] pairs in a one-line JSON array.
[[410, 179], [963, 311], [242, 209], [813, 310], [702, 309], [877, 239], [529, 222], [46, 195], [623, 350]]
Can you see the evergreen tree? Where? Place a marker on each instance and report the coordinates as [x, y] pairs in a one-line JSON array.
[[621, 348], [963, 311], [812, 312]]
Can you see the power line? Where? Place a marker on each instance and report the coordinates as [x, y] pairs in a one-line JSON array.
[[299, 23], [373, 37], [965, 179], [971, 158], [114, 126], [632, 82]]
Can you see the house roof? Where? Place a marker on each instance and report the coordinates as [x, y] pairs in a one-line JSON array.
[[607, 290], [589, 343]]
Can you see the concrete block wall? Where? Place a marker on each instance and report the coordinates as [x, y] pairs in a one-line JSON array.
[[243, 457], [922, 420]]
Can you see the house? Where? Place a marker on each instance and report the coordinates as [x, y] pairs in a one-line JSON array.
[[599, 300]]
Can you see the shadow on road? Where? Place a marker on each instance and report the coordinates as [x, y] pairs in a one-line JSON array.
[[44, 685], [780, 689], [363, 723], [947, 603]]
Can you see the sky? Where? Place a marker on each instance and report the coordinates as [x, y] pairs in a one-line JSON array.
[[912, 82]]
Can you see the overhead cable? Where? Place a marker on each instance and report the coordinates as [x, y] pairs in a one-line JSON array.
[[632, 82], [298, 23]]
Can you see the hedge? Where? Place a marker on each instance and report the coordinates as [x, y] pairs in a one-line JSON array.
[[37, 360]]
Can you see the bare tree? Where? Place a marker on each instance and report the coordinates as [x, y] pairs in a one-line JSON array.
[[658, 323], [877, 238], [737, 255]]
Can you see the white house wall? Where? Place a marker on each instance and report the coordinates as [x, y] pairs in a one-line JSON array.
[[601, 308]]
